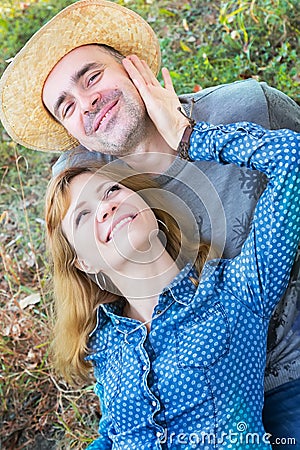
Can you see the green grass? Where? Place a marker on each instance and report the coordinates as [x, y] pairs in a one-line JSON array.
[[203, 43]]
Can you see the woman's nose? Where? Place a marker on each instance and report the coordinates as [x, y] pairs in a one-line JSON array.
[[105, 211]]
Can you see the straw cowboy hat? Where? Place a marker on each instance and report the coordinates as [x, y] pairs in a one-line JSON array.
[[85, 22]]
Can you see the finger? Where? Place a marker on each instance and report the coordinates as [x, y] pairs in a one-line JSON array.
[[167, 79], [132, 71], [150, 75], [143, 69], [135, 76], [139, 67]]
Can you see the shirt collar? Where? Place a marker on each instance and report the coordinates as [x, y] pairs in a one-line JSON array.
[[181, 289]]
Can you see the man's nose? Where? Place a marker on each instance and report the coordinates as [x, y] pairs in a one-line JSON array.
[[105, 211], [90, 102]]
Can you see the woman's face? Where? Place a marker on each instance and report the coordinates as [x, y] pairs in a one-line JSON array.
[[108, 224]]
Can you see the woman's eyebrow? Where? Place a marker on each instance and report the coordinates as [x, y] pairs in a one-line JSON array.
[[102, 185], [84, 202]]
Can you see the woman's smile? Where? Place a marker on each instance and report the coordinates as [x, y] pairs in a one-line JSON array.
[[119, 223]]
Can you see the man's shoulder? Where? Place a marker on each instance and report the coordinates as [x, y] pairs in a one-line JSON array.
[[227, 103], [79, 156], [236, 86]]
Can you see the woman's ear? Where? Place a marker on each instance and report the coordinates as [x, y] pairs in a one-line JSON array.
[[83, 266]]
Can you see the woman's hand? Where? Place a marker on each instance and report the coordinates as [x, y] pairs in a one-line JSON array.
[[161, 102]]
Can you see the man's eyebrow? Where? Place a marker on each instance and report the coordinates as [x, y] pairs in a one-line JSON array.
[[81, 72], [58, 102]]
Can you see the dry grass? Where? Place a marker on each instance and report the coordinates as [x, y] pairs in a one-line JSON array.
[[38, 411], [204, 43]]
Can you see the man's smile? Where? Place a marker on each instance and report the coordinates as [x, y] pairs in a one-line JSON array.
[[103, 115]]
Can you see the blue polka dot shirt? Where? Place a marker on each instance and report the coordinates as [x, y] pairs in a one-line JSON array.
[[196, 379]]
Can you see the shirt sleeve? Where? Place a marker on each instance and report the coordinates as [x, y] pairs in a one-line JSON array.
[[260, 274]]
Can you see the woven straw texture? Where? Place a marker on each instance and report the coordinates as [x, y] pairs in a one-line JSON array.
[[85, 22]]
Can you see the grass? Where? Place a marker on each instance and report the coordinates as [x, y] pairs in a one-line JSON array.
[[203, 43]]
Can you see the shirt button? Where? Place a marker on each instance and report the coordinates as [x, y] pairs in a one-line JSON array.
[[154, 403], [159, 311], [144, 367], [117, 321]]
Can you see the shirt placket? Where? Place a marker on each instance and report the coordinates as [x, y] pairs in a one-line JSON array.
[[135, 334]]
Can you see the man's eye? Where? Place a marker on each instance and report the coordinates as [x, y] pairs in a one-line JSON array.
[[80, 216], [93, 78], [115, 187], [67, 110]]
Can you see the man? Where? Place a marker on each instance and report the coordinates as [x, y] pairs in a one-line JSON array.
[[63, 89]]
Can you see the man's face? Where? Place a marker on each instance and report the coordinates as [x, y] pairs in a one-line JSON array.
[[90, 94]]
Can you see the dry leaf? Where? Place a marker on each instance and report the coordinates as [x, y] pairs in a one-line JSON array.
[[184, 47], [197, 88], [29, 300], [185, 25]]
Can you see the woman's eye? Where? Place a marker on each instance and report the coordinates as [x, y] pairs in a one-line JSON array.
[[80, 216], [115, 187]]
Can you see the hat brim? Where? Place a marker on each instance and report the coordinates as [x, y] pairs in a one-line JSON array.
[[86, 22]]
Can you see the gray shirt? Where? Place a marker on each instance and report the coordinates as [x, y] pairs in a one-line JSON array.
[[219, 200]]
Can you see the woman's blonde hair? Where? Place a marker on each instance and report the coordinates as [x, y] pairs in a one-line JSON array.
[[76, 295]]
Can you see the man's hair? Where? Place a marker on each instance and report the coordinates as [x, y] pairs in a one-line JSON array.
[[112, 51]]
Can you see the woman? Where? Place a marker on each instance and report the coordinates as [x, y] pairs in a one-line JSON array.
[[179, 351]]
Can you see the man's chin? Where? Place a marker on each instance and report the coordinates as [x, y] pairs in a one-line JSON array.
[[117, 141], [108, 149]]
